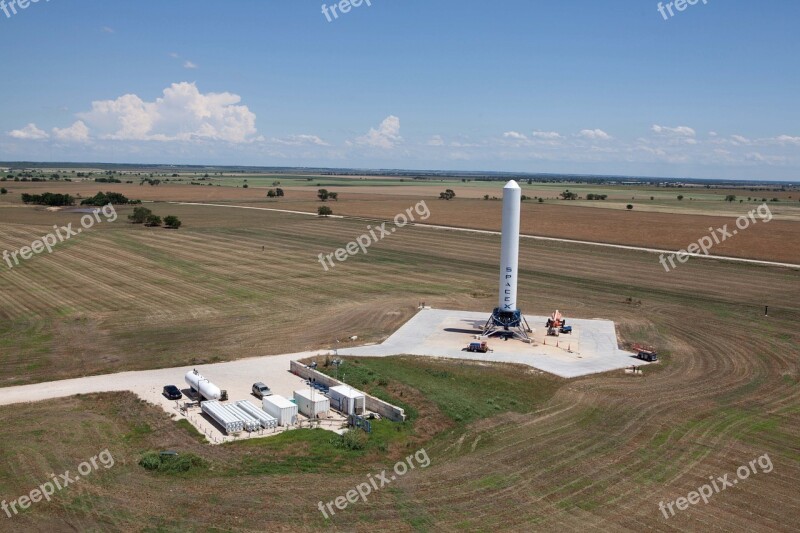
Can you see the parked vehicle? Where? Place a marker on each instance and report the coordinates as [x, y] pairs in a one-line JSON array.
[[478, 346], [260, 390], [171, 392], [566, 329]]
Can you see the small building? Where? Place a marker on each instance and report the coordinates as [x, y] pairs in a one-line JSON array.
[[347, 400], [312, 403], [282, 409]]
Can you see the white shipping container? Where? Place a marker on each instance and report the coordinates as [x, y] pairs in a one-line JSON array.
[[347, 400], [281, 408], [316, 407]]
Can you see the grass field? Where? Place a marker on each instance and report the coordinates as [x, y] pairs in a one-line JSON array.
[[510, 448]]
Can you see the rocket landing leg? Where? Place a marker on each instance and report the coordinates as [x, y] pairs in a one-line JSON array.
[[508, 324]]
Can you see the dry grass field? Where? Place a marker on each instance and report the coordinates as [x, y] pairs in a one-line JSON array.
[[599, 452]]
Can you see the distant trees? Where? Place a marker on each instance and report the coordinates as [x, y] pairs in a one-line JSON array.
[[680, 197], [592, 196], [152, 220], [107, 180], [449, 194], [730, 198], [172, 222], [567, 195], [139, 215], [324, 211], [105, 198], [48, 198]]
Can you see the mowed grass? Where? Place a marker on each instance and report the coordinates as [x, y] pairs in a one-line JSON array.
[[463, 390]]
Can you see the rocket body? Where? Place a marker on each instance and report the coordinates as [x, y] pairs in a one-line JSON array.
[[509, 248]]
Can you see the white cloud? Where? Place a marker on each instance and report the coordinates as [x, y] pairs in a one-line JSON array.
[[106, 29], [548, 135], [386, 136], [517, 136], [29, 133], [174, 55], [436, 140], [787, 139], [738, 139], [189, 65], [596, 134], [78, 132], [183, 113], [680, 131], [299, 140]]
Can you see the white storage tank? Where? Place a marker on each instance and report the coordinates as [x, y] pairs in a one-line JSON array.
[[281, 408], [207, 390], [312, 404], [347, 400]]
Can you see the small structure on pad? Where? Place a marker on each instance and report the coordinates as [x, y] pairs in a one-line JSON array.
[[347, 400]]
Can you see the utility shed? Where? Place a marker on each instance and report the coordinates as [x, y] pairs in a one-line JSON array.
[[281, 408], [347, 400], [316, 407]]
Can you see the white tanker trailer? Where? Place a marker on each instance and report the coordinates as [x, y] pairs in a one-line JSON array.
[[204, 387]]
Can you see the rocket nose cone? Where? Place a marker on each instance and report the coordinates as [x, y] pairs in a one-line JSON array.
[[511, 185]]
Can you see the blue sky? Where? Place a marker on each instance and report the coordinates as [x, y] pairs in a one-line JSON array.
[[520, 85]]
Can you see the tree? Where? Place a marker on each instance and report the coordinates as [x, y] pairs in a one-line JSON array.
[[449, 194], [333, 196], [680, 197], [323, 195], [172, 222], [152, 220], [566, 195], [629, 206], [139, 215], [245, 186], [324, 211], [485, 196], [730, 198], [3, 191], [271, 193], [279, 192], [541, 200]]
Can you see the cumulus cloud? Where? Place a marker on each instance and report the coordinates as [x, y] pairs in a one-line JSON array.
[[515, 135], [787, 139], [188, 64], [680, 131], [548, 135], [596, 134], [387, 135], [78, 132], [739, 139], [182, 113], [29, 133]]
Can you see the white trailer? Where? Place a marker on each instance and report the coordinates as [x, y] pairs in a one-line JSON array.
[[250, 422], [266, 420], [312, 404], [347, 400], [222, 416], [281, 408]]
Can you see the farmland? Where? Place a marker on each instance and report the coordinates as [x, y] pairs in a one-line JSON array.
[[595, 452]]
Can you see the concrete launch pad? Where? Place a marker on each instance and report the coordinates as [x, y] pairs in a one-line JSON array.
[[590, 349]]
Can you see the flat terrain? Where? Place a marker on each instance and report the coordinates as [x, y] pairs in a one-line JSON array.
[[510, 448]]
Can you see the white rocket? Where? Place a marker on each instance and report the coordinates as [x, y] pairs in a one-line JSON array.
[[509, 248]]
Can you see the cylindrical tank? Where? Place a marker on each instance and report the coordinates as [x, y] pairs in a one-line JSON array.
[[207, 390], [509, 247]]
